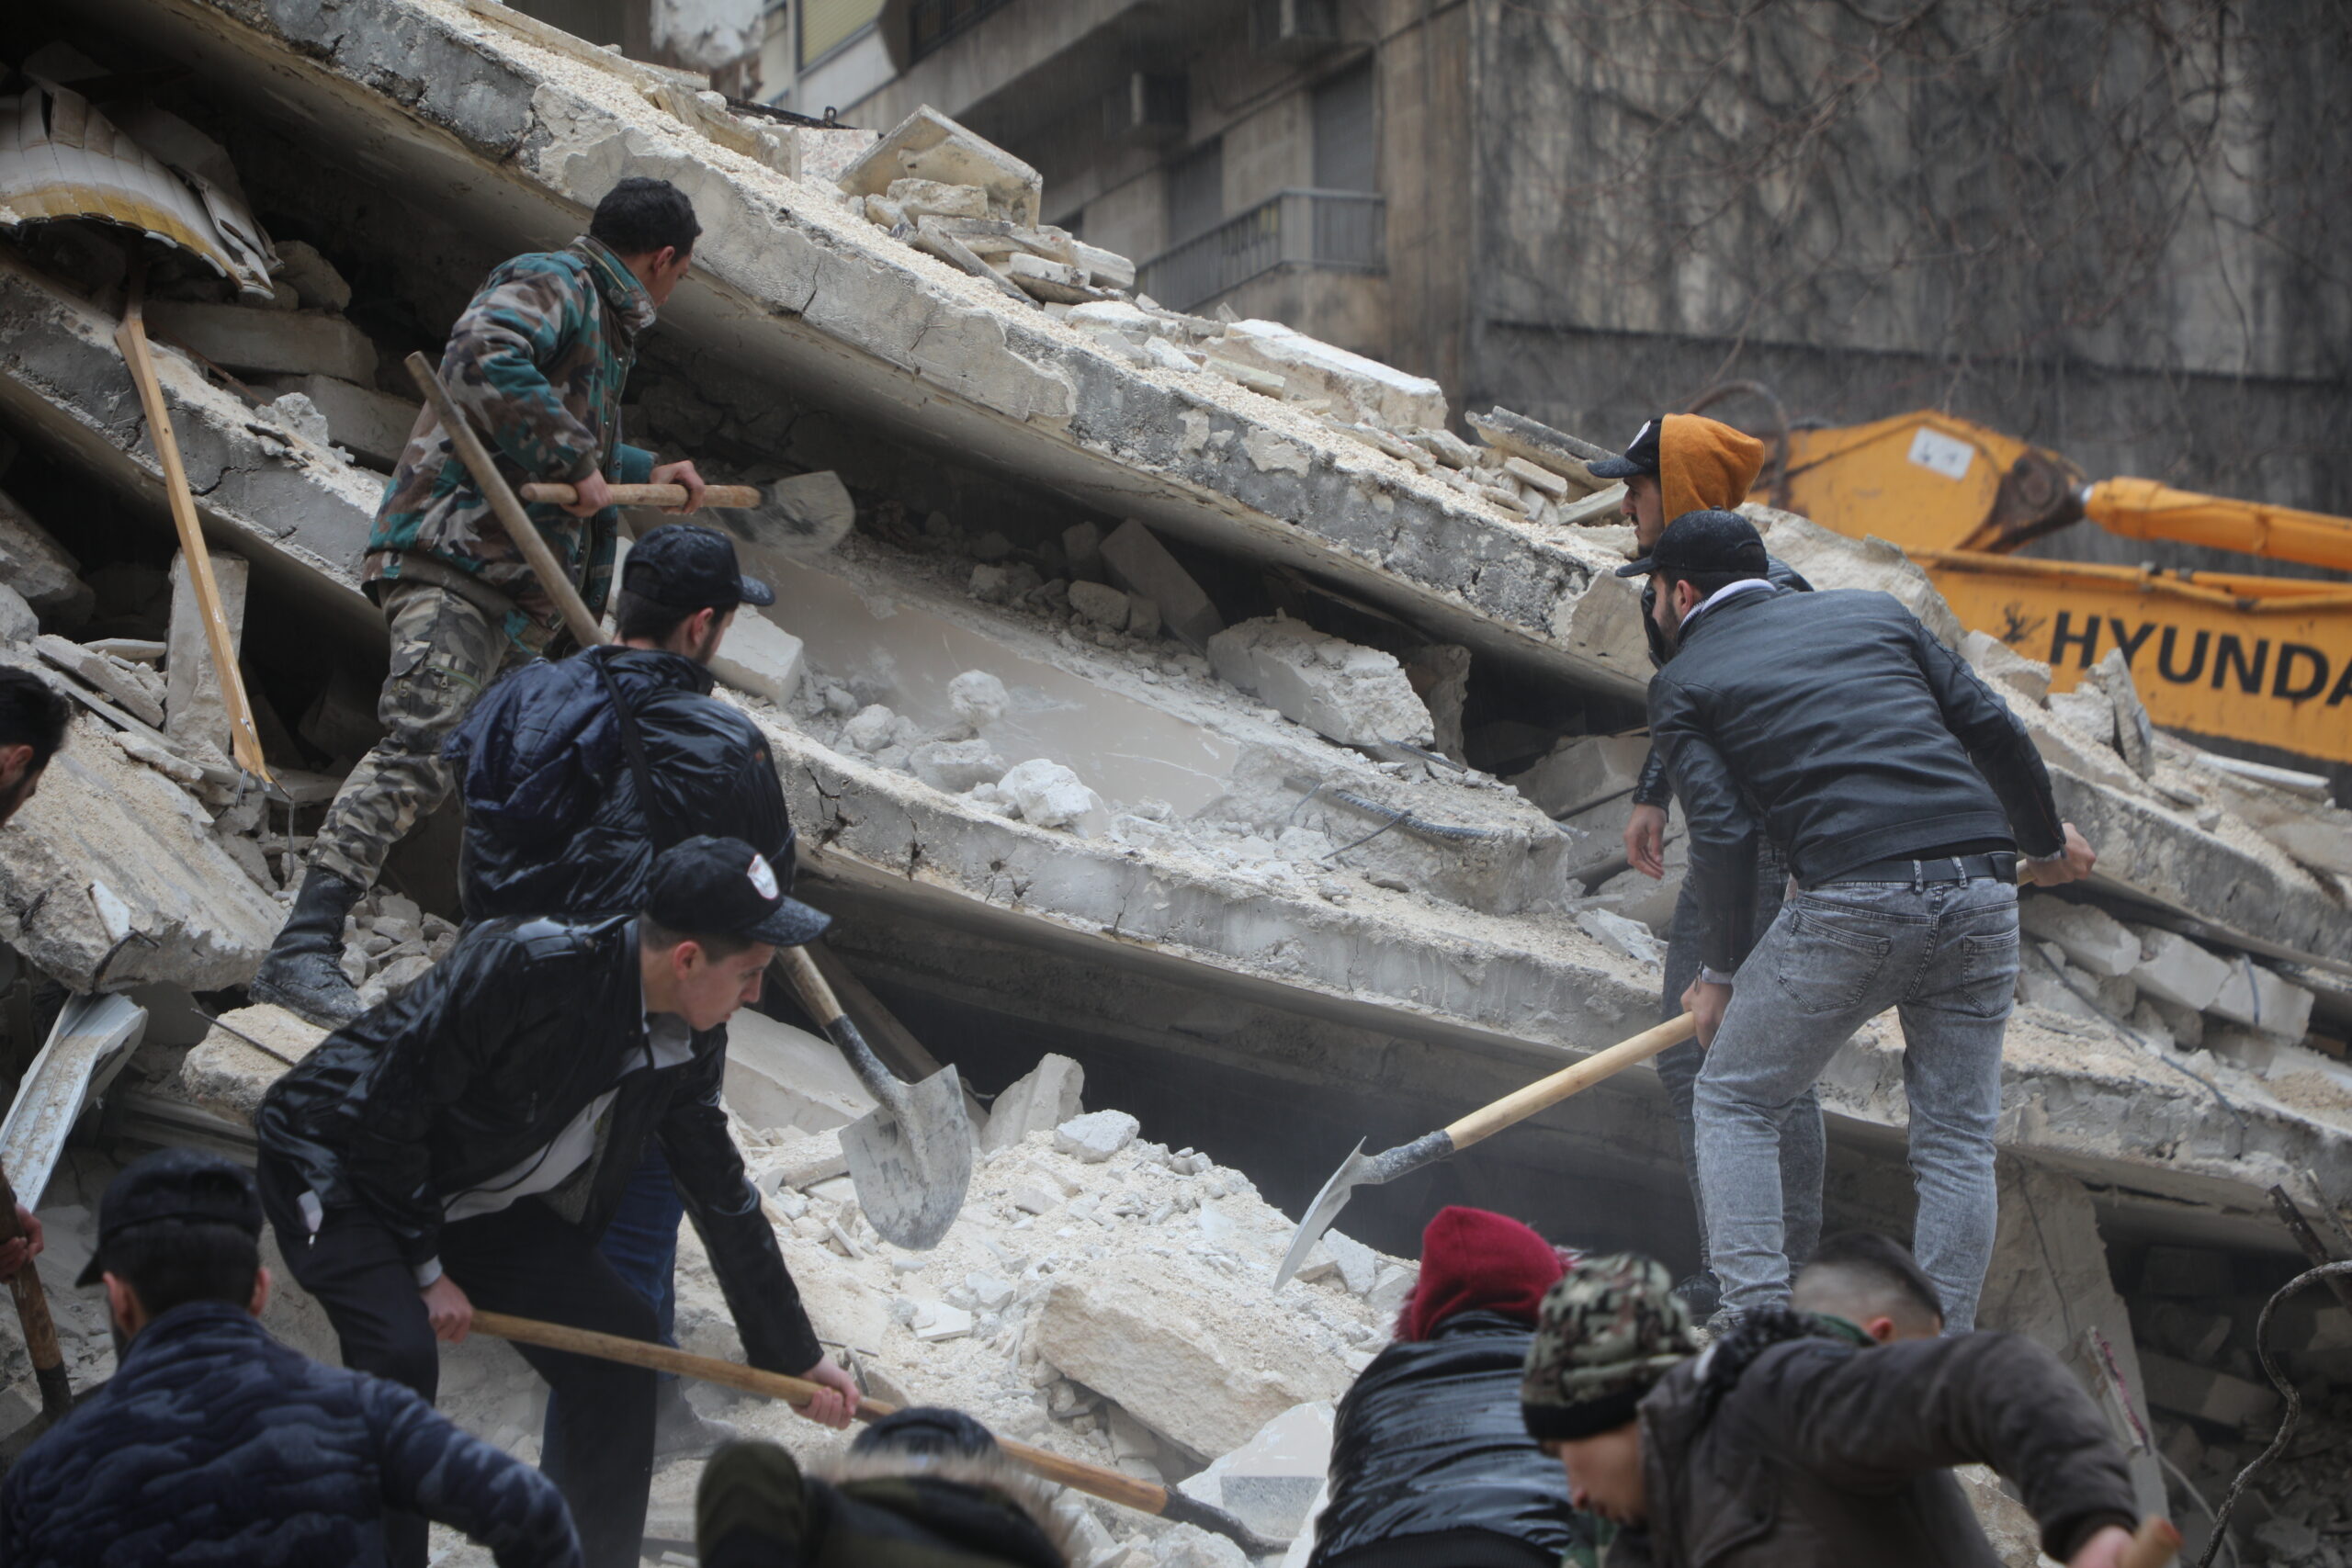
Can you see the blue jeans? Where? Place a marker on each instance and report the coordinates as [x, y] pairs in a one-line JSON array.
[[641, 1244], [1803, 1147], [1945, 955]]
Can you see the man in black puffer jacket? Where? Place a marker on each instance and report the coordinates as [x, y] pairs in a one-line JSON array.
[[1430, 1465], [575, 776]]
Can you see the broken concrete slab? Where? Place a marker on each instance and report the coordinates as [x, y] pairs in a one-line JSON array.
[[1140, 564], [374, 425], [928, 146], [1040, 1100], [1583, 772], [1832, 560], [1357, 696], [194, 708], [247, 1049], [2092, 937], [780, 1076], [1997, 660], [2135, 733], [2271, 1003], [132, 687], [1269, 1481], [291, 342], [1534, 442], [34, 564], [2178, 970], [1357, 387]]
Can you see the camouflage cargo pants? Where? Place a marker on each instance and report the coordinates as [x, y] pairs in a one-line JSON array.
[[445, 652]]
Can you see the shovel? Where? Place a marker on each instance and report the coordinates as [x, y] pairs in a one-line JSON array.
[[912, 1156], [41, 1342], [802, 517], [1112, 1486], [1362, 1170]]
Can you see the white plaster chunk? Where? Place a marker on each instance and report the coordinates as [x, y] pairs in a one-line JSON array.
[[977, 697], [1361, 388], [1357, 696], [759, 656], [874, 728], [1049, 795], [2178, 970], [2254, 995], [957, 766], [1096, 1137]]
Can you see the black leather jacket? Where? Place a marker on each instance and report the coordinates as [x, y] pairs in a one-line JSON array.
[[480, 1064], [1431, 1464], [1653, 788], [555, 819], [1836, 725]]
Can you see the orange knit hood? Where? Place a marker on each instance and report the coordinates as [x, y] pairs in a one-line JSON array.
[[1704, 466]]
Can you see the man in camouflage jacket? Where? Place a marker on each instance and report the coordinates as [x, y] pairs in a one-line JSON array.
[[536, 363]]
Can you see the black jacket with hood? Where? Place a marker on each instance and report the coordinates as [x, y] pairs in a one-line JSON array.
[[1780, 1448], [556, 818], [1837, 725], [477, 1066]]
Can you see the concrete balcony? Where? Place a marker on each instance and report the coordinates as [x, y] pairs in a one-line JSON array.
[[1343, 231]]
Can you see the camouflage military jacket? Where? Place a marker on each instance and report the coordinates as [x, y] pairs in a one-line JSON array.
[[535, 363]]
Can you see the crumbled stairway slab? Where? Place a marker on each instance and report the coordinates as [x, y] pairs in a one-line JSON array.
[[296, 510], [453, 109], [111, 876]]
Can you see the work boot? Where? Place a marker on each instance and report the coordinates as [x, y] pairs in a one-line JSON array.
[[750, 1509], [303, 973], [680, 1431], [1701, 1293]]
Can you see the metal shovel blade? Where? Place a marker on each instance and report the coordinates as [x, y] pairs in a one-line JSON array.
[[802, 517], [910, 1158], [1356, 1171]]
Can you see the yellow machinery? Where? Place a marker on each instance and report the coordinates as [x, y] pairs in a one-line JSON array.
[[2266, 659]]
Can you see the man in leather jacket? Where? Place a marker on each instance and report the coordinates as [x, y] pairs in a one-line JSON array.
[[1680, 463], [574, 775], [1901, 789], [468, 1141]]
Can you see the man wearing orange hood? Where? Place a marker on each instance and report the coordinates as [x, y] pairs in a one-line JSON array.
[[1680, 463]]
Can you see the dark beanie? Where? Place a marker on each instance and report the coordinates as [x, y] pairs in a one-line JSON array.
[[1607, 1332], [925, 1429], [1473, 1260]]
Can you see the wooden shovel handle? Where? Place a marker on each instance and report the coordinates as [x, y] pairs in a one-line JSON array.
[[649, 495], [509, 511], [1109, 1485], [1513, 1109], [32, 1311]]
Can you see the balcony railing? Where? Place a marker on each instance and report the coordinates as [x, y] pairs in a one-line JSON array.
[[1343, 231]]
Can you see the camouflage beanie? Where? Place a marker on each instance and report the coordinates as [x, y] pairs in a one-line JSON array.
[[1608, 1331]]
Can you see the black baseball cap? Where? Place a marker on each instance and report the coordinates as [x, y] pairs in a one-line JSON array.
[[684, 566], [1704, 544], [185, 1186], [1641, 455], [708, 887]]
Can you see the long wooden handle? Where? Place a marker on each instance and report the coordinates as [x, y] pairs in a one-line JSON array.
[[2153, 1544], [1109, 1485], [649, 495], [518, 526], [130, 337], [1513, 1109], [32, 1311]]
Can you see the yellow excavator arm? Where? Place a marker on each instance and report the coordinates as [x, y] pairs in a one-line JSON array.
[[2143, 509]]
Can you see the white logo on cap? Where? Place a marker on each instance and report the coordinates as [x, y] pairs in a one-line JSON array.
[[1645, 430], [762, 877]]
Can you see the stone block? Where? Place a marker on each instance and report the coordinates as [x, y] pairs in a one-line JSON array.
[[133, 687], [1100, 604], [1049, 280], [1544, 481], [1628, 939], [374, 425], [293, 342], [1997, 660], [2135, 733], [2091, 937], [1204, 1370], [1356, 388], [316, 283], [1094, 1137], [957, 766], [34, 564], [1108, 269], [919, 198], [2265, 1000], [1140, 563], [1357, 696], [2173, 969], [227, 1072], [1045, 1096], [781, 1076], [1049, 795], [193, 706], [19, 621], [2201, 1391], [1583, 771], [759, 656], [929, 146]]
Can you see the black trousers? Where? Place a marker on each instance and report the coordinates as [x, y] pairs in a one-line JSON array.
[[525, 1260]]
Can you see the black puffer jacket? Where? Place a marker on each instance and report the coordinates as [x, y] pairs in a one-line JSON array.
[[1777, 1448], [555, 821], [1431, 1463], [1837, 725], [1654, 787], [483, 1061]]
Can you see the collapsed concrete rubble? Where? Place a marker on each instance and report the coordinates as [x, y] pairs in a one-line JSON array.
[[1189, 695]]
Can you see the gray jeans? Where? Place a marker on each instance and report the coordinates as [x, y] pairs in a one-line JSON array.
[[1803, 1146], [1945, 955]]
